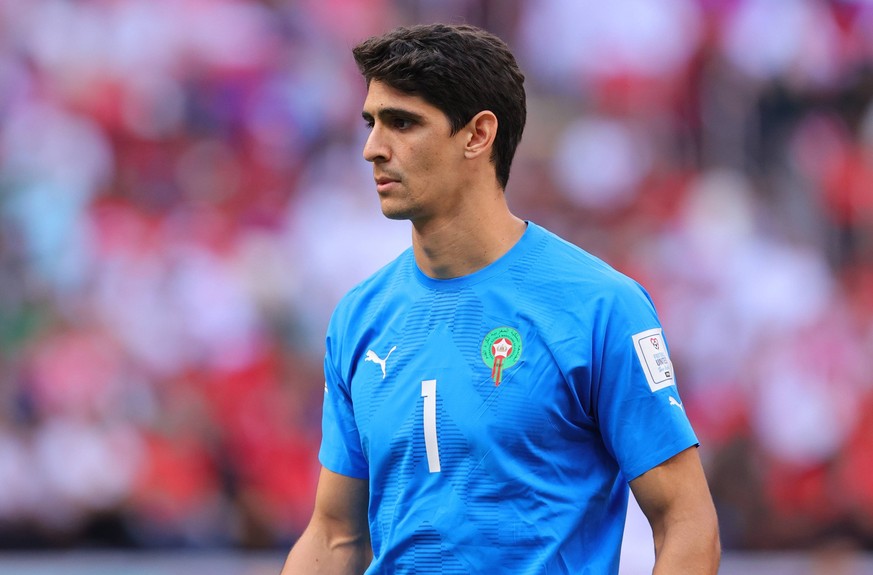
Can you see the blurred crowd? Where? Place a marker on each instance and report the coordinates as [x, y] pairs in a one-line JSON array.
[[183, 200]]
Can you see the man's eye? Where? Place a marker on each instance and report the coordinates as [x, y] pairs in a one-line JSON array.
[[401, 123]]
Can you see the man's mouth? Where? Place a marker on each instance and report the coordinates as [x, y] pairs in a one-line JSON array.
[[384, 183]]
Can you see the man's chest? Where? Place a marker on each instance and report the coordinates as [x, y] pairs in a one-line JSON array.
[[444, 398]]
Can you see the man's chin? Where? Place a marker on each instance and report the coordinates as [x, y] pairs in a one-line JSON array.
[[395, 215]]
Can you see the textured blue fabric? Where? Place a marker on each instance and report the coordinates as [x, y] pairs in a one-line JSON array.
[[533, 464]]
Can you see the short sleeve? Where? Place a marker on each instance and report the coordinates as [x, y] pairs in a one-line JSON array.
[[641, 417], [340, 450]]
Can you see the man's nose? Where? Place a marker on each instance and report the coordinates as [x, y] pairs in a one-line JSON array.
[[375, 149]]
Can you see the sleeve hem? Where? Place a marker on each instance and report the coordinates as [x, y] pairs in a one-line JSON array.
[[657, 458]]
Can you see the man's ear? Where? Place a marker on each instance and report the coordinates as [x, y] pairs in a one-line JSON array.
[[481, 131]]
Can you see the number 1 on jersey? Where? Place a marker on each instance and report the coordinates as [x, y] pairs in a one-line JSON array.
[[428, 392]]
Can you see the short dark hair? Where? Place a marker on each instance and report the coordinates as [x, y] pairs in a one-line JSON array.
[[460, 69]]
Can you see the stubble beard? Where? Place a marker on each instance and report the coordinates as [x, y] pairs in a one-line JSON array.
[[395, 208]]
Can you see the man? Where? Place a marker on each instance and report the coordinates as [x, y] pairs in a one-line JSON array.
[[490, 393]]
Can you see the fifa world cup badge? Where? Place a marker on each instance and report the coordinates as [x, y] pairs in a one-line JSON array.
[[501, 349], [654, 359]]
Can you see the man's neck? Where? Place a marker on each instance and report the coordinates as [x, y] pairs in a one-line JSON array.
[[465, 242]]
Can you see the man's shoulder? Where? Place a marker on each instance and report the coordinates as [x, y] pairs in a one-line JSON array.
[[377, 285], [559, 260]]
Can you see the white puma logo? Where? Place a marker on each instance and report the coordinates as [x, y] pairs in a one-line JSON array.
[[371, 356], [676, 403]]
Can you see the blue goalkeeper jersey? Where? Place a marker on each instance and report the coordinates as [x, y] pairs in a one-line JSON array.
[[499, 416]]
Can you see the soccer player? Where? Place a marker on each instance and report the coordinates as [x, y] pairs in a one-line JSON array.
[[493, 393]]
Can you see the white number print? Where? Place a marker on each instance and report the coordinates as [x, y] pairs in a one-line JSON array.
[[428, 392]]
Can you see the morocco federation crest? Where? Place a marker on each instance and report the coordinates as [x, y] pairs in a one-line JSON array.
[[501, 349]]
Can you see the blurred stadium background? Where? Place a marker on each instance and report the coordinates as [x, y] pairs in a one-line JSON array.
[[183, 200]]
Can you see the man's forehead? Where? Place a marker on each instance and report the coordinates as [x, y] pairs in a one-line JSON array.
[[382, 96]]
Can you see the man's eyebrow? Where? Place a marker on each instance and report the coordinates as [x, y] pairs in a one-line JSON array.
[[389, 113]]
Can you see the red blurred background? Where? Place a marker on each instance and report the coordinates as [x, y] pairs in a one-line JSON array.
[[183, 200]]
